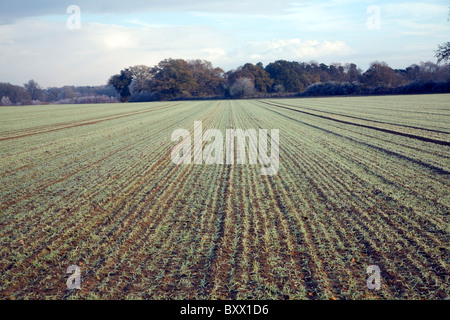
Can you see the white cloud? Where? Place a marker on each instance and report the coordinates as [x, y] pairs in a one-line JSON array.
[[292, 49], [214, 54], [53, 55], [412, 10], [228, 34], [113, 37]]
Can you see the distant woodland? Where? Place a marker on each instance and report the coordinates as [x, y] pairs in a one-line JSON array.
[[178, 79]]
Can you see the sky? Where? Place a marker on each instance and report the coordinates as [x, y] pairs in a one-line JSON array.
[[84, 42]]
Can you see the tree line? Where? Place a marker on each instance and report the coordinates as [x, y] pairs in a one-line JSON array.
[[175, 79], [31, 93]]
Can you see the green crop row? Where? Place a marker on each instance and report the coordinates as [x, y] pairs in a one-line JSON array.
[[94, 186]]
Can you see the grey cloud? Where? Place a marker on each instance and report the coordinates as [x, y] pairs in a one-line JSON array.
[[11, 10]]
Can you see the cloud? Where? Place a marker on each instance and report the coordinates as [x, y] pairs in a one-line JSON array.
[[35, 42], [291, 49], [326, 16], [214, 54], [53, 55], [11, 10], [416, 10]]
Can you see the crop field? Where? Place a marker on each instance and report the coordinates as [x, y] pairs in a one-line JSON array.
[[362, 181]]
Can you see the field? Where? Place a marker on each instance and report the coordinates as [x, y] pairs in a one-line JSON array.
[[362, 181]]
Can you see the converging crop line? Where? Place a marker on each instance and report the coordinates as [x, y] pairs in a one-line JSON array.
[[413, 136], [401, 156], [85, 123], [364, 119]]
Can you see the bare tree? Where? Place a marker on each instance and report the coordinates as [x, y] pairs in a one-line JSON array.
[[33, 89], [6, 102], [242, 87], [142, 74], [443, 52]]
